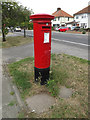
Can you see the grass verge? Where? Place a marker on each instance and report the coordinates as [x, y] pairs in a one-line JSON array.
[[21, 77], [16, 41], [66, 70]]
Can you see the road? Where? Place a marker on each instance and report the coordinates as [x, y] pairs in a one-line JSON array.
[[68, 37], [71, 38], [63, 36], [68, 43], [72, 44]]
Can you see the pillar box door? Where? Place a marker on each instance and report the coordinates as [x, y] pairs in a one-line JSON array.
[[42, 45]]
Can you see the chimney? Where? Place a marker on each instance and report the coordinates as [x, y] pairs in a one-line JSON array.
[[58, 9]]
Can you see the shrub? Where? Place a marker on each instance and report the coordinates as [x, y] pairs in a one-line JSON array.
[[83, 32], [81, 29]]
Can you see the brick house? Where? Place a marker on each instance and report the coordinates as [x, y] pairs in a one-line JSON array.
[[61, 17]]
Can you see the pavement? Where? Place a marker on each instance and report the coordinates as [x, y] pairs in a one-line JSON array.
[[58, 47], [0, 83], [11, 103], [16, 53], [8, 111], [40, 103], [65, 92]]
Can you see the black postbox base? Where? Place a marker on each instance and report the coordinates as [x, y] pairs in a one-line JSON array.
[[42, 75]]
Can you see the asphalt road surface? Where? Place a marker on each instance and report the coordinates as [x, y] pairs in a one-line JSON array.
[[75, 44], [80, 39], [72, 44]]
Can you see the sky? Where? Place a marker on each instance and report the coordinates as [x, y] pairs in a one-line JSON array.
[[50, 6]]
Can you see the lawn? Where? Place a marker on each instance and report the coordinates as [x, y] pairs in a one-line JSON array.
[[66, 70], [16, 41]]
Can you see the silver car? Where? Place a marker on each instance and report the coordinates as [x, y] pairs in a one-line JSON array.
[[17, 29]]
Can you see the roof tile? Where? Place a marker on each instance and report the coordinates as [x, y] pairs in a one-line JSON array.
[[61, 13], [85, 10]]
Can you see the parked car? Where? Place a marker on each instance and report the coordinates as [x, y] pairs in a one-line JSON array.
[[56, 28], [63, 29], [73, 27], [77, 28], [8, 29], [11, 28], [17, 29]]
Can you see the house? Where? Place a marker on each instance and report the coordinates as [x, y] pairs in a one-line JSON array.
[[61, 17], [82, 17]]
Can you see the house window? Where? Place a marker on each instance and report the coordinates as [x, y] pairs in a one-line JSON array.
[[83, 25], [84, 16], [68, 18], [58, 18], [55, 19], [77, 17]]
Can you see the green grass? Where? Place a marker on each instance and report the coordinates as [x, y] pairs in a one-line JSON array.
[[16, 41], [65, 70], [21, 78], [12, 103], [12, 93], [78, 59], [58, 76], [21, 115]]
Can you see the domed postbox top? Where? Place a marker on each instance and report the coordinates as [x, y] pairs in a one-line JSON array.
[[41, 16]]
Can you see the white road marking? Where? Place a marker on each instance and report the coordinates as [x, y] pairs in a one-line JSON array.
[[71, 42]]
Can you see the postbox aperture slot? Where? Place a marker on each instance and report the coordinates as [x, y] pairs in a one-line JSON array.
[[46, 27]]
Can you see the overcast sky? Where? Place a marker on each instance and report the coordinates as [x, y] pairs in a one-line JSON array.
[[50, 6]]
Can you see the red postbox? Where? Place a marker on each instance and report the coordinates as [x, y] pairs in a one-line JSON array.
[[42, 45]]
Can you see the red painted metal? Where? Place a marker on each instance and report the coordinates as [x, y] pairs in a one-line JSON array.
[[42, 51]]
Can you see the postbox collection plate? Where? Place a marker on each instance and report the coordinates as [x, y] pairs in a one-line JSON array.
[[46, 37]]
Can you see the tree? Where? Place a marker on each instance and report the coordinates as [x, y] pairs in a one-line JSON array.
[[8, 12], [30, 26], [26, 14], [13, 15]]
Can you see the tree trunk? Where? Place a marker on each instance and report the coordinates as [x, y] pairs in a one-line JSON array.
[[24, 33], [3, 35]]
